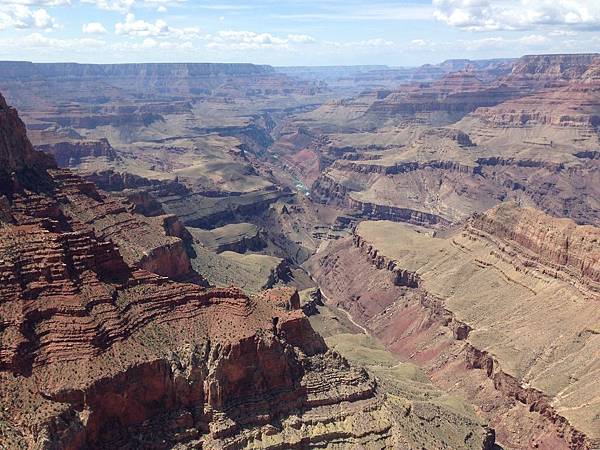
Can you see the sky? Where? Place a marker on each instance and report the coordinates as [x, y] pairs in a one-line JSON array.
[[294, 32]]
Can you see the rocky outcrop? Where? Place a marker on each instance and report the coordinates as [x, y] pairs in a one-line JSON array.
[[460, 137], [157, 244], [254, 138], [448, 189], [421, 303], [439, 103], [19, 161], [374, 211], [70, 154], [112, 181], [145, 203], [155, 107], [311, 304], [328, 191], [553, 68], [209, 211], [280, 274], [524, 163], [140, 191], [534, 399], [96, 351], [237, 237], [455, 105], [559, 91], [98, 120], [403, 167], [401, 277], [556, 243], [347, 191], [221, 391], [572, 106]]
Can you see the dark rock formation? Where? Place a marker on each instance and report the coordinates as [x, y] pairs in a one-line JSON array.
[[68, 154]]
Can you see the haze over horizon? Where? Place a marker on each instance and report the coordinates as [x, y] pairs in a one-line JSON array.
[[287, 33]]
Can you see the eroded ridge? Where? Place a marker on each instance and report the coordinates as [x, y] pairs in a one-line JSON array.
[[100, 348], [454, 304]]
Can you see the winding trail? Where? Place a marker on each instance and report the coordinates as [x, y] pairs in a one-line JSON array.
[[348, 315], [365, 331]]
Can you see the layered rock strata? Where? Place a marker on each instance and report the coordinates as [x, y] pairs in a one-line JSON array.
[[69, 154], [466, 308], [98, 352]]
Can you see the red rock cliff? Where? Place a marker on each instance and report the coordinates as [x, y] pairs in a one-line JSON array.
[[96, 352]]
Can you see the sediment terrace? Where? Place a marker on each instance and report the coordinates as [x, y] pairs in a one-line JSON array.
[[512, 295], [412, 184]]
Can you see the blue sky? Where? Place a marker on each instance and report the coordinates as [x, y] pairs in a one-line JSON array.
[[294, 32]]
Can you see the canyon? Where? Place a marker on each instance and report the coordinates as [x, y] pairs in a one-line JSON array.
[[467, 307], [240, 256], [102, 348]]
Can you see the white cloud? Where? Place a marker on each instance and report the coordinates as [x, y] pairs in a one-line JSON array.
[[486, 15], [521, 44], [244, 40], [22, 17], [418, 43], [534, 40], [141, 28], [43, 20], [249, 40], [367, 44], [39, 42], [301, 38], [126, 5], [134, 27], [112, 5], [93, 28], [375, 43], [563, 33], [167, 45], [160, 3], [486, 44], [37, 2], [150, 44], [374, 12]]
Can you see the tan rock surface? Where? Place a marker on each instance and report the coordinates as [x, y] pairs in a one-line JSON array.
[[508, 294], [97, 352]]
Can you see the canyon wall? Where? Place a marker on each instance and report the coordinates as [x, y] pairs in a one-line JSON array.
[[67, 154], [97, 351], [467, 308]]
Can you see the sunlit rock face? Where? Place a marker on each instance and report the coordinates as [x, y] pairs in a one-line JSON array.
[[478, 306], [100, 348]]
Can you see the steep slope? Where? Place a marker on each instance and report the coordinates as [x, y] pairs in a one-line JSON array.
[[537, 146], [151, 80], [504, 309], [566, 99], [98, 352], [439, 176], [553, 69]]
